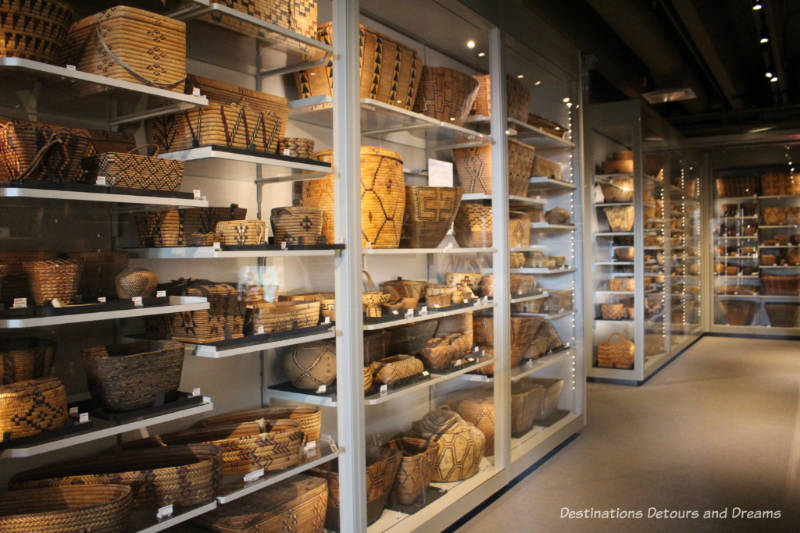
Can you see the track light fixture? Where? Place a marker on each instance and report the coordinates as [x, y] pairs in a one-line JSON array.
[[757, 5]]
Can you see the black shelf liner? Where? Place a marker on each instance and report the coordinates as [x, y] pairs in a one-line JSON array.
[[281, 157], [277, 247], [89, 187], [173, 402], [431, 310], [113, 305], [70, 428], [252, 340]]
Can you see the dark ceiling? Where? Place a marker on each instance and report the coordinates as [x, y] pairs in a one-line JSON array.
[[711, 46]]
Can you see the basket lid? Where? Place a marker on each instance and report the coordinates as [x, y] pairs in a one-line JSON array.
[[31, 386], [128, 12]]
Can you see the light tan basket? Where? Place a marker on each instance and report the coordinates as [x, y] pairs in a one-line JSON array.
[[620, 218], [283, 316], [241, 232]]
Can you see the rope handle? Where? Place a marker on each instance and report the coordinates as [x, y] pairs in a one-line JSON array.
[[148, 145], [617, 334], [369, 283], [39, 157]]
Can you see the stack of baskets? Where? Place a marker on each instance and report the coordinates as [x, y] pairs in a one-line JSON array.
[[299, 147]]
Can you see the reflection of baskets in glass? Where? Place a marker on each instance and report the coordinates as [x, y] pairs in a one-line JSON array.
[[617, 190], [626, 284], [615, 351], [620, 218], [615, 311], [780, 284], [783, 315], [736, 186], [739, 312]]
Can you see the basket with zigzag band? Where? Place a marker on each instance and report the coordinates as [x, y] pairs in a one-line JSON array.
[[223, 320], [25, 358], [34, 30], [309, 418], [517, 95], [473, 225], [416, 467], [446, 94], [38, 151], [474, 168], [135, 171], [180, 475], [30, 407], [390, 72], [241, 232], [296, 225], [429, 213]]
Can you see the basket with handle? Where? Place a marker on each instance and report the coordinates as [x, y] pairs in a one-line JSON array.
[[297, 225], [135, 171], [38, 151], [429, 213], [473, 226], [309, 366], [241, 232], [299, 147], [99, 270], [390, 72], [616, 351], [25, 358], [53, 279], [620, 218], [96, 508], [131, 376], [30, 407], [446, 94], [474, 168], [309, 418], [417, 461], [271, 317], [518, 98], [34, 30]]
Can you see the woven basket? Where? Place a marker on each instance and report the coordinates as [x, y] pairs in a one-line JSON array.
[[625, 253], [411, 339], [439, 352], [463, 277], [552, 392], [25, 359], [473, 226], [51, 279], [780, 284], [461, 445], [524, 330], [241, 232], [620, 218], [615, 311], [739, 313], [180, 475], [547, 125], [34, 30], [774, 216], [30, 407], [310, 365], [616, 351], [138, 282], [391, 369], [299, 147], [446, 94], [516, 260], [522, 284], [296, 505], [300, 16], [783, 315], [368, 370], [404, 288], [246, 446], [439, 295], [99, 271], [417, 463], [175, 227], [15, 284], [736, 186], [774, 183], [309, 418], [95, 508], [383, 197], [474, 168], [284, 316], [518, 98], [625, 284], [478, 410], [297, 225], [224, 318], [429, 213], [134, 171], [462, 323], [131, 45], [131, 376], [546, 168], [390, 72], [527, 398], [327, 302], [37, 151], [519, 230], [617, 190], [235, 117]]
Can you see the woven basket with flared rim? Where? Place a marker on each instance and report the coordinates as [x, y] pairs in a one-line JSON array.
[[446, 94], [308, 366], [138, 282], [309, 418], [461, 444], [474, 168], [473, 226], [404, 288], [783, 315], [519, 230], [95, 508], [622, 284], [417, 463], [382, 465], [241, 232], [15, 283], [440, 352], [134, 171], [99, 270], [34, 30], [298, 504], [132, 45], [616, 351], [518, 98], [625, 253], [552, 391], [739, 313], [284, 316], [390, 72], [38, 151], [460, 275], [411, 339], [180, 475], [131, 376], [383, 197], [25, 359], [51, 279], [296, 225], [545, 167], [429, 213], [391, 369], [30, 407], [615, 311], [524, 330], [620, 218], [296, 147], [245, 446], [617, 190]]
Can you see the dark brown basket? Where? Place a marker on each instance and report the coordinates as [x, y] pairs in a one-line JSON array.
[[411, 339], [780, 284], [99, 271], [737, 186], [783, 315], [446, 94], [430, 211], [15, 283], [417, 463], [34, 30], [24, 359], [52, 279], [37, 151], [376, 345], [130, 376], [739, 312]]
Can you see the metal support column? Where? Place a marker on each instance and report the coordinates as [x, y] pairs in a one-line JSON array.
[[349, 321], [502, 289], [638, 246]]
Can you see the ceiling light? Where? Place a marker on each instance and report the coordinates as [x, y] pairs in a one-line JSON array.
[[774, 79], [565, 99], [481, 54], [537, 82], [520, 76], [662, 96], [757, 5], [470, 44], [768, 74], [764, 38]]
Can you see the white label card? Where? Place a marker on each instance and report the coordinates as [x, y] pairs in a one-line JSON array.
[[458, 362], [426, 373], [217, 246], [476, 349], [73, 411], [254, 475], [409, 313], [440, 173], [287, 152], [19, 303], [327, 320], [137, 301], [196, 392], [161, 294], [101, 180], [321, 389], [310, 447], [101, 299], [72, 67], [260, 330], [83, 418], [424, 310], [164, 512], [197, 194], [196, 91], [384, 389]]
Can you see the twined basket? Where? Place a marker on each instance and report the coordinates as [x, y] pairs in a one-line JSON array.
[[297, 225], [131, 376], [616, 351], [783, 315], [327, 302], [300, 16], [474, 168], [297, 504], [392, 369], [461, 444], [24, 359], [446, 94], [30, 407], [518, 98], [15, 282], [38, 151], [404, 288], [612, 311], [309, 418], [617, 190], [440, 352], [136, 282], [296, 147], [175, 227], [739, 312], [519, 230], [224, 318], [523, 332], [130, 44], [181, 475], [95, 508], [383, 197], [309, 366], [546, 168], [390, 72], [622, 284], [135, 171], [99, 270], [464, 273], [527, 398], [477, 408], [462, 323], [284, 316], [429, 213], [473, 225], [780, 284], [34, 29], [620, 218], [53, 279], [241, 232], [417, 462], [411, 339]]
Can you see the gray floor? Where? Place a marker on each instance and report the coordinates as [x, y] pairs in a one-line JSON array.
[[716, 429]]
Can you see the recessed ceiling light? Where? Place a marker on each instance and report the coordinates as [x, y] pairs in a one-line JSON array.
[[757, 5], [481, 54], [661, 96], [565, 99], [470, 44], [537, 82], [774, 79], [768, 74], [520, 76], [764, 39]]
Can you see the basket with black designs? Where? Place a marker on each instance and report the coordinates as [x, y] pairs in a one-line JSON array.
[[29, 407], [224, 319], [135, 171], [296, 225]]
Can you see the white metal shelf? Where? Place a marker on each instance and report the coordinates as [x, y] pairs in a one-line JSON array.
[[539, 434], [102, 429], [432, 314], [519, 200], [453, 250], [545, 226], [525, 133], [614, 263], [530, 298], [614, 234], [549, 316], [210, 351], [531, 248], [544, 182], [764, 297], [531, 366], [543, 271], [208, 252], [99, 196], [172, 521]]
